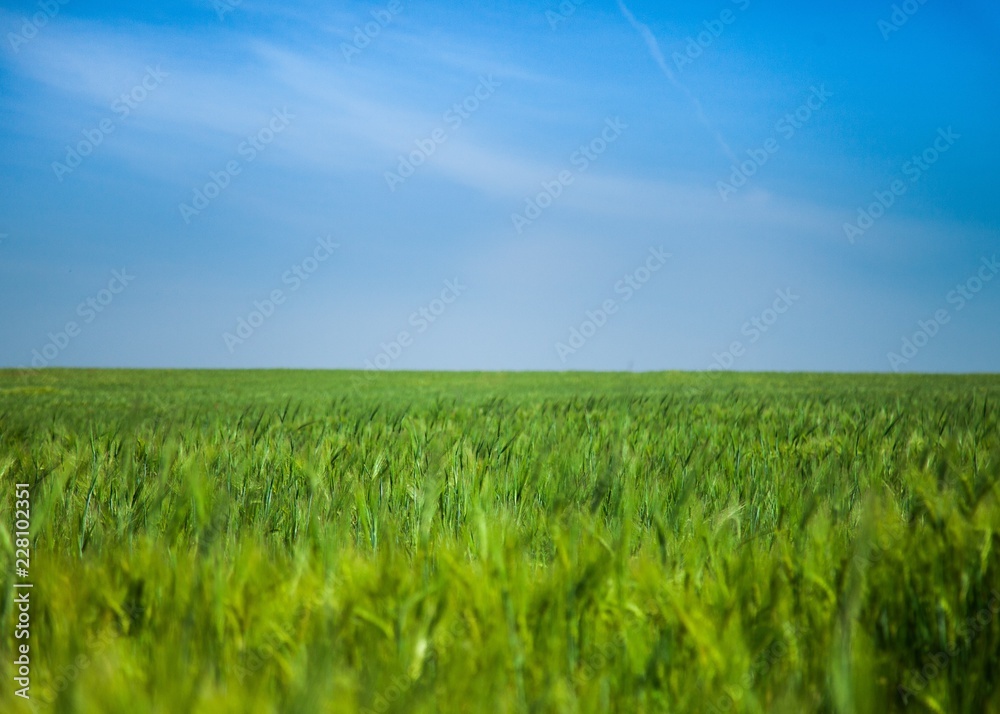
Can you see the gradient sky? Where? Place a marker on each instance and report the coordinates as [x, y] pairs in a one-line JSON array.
[[550, 81]]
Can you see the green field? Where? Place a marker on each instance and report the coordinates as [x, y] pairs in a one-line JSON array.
[[415, 542]]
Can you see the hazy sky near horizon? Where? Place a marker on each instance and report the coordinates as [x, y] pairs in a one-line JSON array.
[[501, 185]]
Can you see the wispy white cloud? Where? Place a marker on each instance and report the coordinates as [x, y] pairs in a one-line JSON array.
[[345, 122], [654, 49]]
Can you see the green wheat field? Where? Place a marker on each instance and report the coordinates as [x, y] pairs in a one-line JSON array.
[[286, 541]]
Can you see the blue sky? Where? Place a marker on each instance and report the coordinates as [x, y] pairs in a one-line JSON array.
[[594, 186]]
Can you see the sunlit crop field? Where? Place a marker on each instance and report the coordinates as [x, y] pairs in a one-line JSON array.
[[413, 542]]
